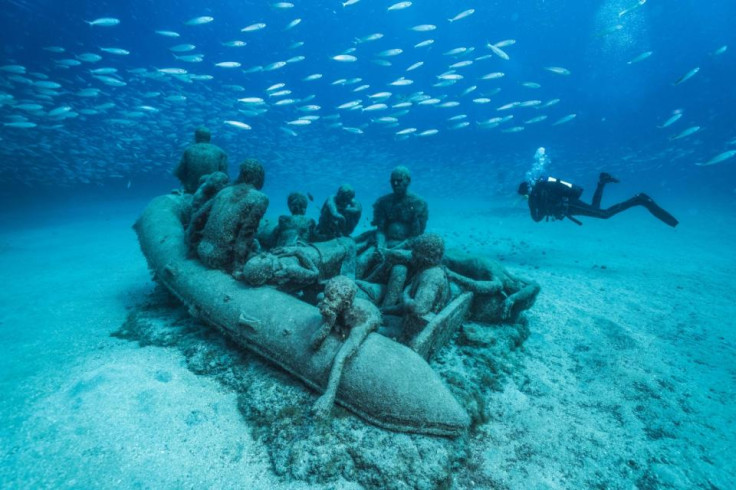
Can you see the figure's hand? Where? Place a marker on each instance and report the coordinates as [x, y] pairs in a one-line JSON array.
[[320, 336], [379, 254], [508, 304], [322, 407]]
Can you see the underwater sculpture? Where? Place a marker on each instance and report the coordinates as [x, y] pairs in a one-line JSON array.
[[340, 214], [385, 382], [230, 220], [397, 217], [354, 319], [295, 228], [199, 159], [499, 296], [294, 268]]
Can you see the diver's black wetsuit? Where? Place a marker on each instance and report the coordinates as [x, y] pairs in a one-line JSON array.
[[551, 197]]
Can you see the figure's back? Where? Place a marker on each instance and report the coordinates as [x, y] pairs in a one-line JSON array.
[[200, 159], [236, 212]]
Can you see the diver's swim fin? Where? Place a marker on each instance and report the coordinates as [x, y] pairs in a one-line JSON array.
[[658, 212]]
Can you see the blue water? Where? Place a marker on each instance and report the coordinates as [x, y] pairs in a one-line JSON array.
[[91, 161], [127, 150]]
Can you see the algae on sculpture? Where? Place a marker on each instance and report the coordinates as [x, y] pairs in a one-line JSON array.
[[199, 159]]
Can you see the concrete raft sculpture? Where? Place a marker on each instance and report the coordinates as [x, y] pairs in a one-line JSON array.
[[385, 383]]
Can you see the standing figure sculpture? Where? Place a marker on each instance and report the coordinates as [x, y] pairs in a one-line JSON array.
[[352, 319], [340, 214], [199, 159], [230, 220]]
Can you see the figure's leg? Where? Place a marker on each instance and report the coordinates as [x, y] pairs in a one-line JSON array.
[[395, 285], [349, 261], [324, 403]]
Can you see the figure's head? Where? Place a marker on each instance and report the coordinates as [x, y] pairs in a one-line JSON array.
[[215, 181], [339, 294], [524, 188], [297, 203], [252, 173], [400, 180], [260, 269], [427, 250], [345, 194], [202, 135]]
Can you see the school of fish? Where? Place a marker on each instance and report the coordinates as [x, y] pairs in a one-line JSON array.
[[408, 88]]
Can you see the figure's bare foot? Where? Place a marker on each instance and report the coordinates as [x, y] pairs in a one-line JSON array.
[[322, 407]]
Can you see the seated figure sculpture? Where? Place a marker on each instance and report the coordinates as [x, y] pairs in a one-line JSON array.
[[428, 289], [199, 159], [499, 296], [297, 228], [397, 217], [340, 214], [209, 186], [295, 268], [352, 319], [231, 220]]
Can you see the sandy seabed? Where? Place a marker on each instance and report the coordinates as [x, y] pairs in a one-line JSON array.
[[627, 378]]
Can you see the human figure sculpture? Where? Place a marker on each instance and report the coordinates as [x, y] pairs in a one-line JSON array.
[[199, 159], [209, 186], [352, 319], [397, 217], [401, 214], [295, 268], [296, 228], [499, 295], [428, 289], [340, 214], [231, 220]]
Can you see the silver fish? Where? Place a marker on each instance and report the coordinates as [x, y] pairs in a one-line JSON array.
[[462, 15], [718, 158], [104, 22], [198, 21], [685, 133], [687, 76]]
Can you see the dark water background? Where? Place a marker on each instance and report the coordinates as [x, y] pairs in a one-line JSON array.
[[618, 105]]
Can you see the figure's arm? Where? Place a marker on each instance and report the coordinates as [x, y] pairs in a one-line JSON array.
[[425, 297], [180, 169], [422, 217], [332, 208], [525, 295], [481, 287], [306, 272], [197, 221], [354, 208]]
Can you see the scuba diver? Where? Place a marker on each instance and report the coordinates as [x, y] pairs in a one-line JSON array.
[[553, 198]]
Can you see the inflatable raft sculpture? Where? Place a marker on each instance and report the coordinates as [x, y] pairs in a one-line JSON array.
[[385, 383]]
